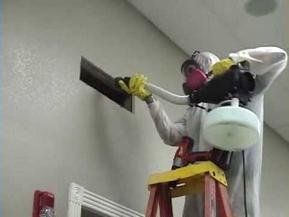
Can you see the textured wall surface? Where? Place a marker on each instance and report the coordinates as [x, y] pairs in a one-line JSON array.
[[57, 129]]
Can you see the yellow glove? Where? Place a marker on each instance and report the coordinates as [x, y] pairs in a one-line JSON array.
[[222, 66], [136, 86]]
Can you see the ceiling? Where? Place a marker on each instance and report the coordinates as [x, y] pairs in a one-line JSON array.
[[223, 28]]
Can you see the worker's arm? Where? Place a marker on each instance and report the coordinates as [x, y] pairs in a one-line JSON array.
[[170, 132], [266, 62]]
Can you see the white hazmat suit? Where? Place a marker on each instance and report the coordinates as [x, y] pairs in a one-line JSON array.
[[271, 62]]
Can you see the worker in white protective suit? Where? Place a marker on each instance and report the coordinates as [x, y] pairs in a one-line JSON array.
[[267, 63]]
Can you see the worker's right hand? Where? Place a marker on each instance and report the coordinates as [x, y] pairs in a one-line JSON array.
[[136, 86]]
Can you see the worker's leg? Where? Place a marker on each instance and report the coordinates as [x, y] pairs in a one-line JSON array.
[[193, 206], [235, 177]]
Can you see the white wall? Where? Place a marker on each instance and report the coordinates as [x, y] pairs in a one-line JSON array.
[[58, 130], [275, 177]]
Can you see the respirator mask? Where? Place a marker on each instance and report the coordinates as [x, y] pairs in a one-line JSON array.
[[195, 77]]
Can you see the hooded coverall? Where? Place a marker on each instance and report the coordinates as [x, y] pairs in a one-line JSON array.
[[273, 60]]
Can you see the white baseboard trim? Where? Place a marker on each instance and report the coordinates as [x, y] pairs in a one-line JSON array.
[[79, 198]]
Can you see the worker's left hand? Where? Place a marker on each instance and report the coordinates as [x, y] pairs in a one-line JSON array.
[[136, 86], [222, 66]]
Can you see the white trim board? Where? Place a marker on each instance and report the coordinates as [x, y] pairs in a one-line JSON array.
[[79, 198]]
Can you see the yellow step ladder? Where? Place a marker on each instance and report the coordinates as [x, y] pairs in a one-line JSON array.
[[200, 177]]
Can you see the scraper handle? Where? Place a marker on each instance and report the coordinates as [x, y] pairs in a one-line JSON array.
[[125, 80]]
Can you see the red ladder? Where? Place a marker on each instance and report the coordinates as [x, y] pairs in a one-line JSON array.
[[204, 177]]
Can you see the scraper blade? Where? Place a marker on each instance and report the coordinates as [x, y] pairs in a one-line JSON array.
[[105, 84]]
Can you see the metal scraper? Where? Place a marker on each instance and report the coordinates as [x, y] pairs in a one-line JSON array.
[[105, 84]]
